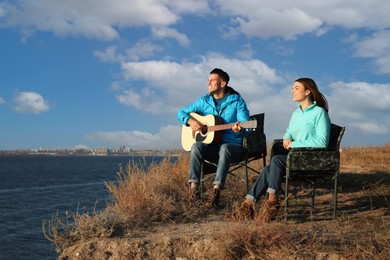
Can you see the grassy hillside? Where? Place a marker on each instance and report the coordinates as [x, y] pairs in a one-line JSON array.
[[150, 218]]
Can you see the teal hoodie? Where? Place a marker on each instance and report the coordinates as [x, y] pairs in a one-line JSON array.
[[232, 109], [309, 128]]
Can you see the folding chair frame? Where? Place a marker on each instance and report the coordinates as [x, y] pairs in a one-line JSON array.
[[309, 165], [255, 148]]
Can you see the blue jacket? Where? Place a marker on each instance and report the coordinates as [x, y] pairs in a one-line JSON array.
[[233, 109], [309, 128]]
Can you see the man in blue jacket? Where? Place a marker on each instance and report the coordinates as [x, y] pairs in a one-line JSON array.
[[227, 104]]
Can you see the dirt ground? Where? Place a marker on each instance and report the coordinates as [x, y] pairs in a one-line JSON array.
[[359, 199]]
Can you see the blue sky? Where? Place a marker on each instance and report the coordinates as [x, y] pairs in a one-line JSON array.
[[99, 73]]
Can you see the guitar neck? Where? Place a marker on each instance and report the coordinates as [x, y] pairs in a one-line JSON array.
[[247, 124], [219, 127]]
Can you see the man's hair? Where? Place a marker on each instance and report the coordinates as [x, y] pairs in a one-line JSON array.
[[222, 74]]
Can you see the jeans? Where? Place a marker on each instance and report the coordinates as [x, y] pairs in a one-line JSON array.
[[222, 154], [269, 179]]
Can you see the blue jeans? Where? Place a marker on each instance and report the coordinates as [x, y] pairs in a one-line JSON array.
[[269, 179], [222, 154]]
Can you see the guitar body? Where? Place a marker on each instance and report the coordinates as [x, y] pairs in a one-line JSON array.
[[210, 131], [188, 137]]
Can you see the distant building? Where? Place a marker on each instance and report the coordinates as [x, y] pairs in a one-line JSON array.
[[100, 151], [120, 151]]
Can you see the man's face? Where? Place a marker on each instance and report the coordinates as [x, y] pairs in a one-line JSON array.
[[215, 84]]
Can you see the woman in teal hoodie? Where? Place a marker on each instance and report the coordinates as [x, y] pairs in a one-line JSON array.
[[309, 127]]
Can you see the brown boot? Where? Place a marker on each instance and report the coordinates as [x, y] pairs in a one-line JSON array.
[[213, 200], [270, 210], [244, 212], [193, 195]]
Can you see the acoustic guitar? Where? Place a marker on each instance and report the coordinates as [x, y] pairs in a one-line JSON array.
[[210, 131]]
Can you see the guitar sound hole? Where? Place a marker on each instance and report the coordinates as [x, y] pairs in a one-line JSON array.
[[204, 130]]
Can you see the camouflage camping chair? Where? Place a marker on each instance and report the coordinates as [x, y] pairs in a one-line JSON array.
[[310, 165]]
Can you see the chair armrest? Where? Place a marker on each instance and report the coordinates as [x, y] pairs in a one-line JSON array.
[[309, 149], [255, 143], [313, 159], [277, 148], [277, 142]]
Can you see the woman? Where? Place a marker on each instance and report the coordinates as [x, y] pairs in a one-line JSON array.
[[309, 127]]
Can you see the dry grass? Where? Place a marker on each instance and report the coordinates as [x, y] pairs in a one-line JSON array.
[[376, 157], [314, 240], [151, 206], [156, 196], [65, 231]]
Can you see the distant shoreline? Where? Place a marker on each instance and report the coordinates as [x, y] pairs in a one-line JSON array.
[[90, 152]]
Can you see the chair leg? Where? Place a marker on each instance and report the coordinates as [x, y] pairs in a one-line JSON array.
[[286, 197], [313, 193], [335, 197], [246, 174], [201, 182]]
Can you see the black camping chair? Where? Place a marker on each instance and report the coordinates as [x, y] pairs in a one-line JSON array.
[[255, 148]]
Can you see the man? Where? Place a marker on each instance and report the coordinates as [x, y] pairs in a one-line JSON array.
[[224, 102]]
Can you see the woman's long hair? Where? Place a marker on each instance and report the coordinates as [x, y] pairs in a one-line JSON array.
[[315, 94]]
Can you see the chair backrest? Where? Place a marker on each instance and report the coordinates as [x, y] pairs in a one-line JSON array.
[[260, 122], [336, 134], [254, 140]]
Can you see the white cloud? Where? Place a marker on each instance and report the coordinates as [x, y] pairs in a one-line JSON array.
[[173, 81], [30, 102], [142, 49], [101, 19], [164, 32], [190, 6], [146, 100], [257, 23], [2, 9], [282, 49], [246, 53], [2, 101], [376, 47], [171, 85], [371, 127], [361, 96], [289, 19], [109, 55], [362, 106], [166, 138], [89, 18], [80, 146], [285, 19], [351, 38]]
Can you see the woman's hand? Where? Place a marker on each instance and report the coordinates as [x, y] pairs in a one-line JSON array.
[[287, 144]]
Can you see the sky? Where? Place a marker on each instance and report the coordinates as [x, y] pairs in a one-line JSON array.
[[110, 73]]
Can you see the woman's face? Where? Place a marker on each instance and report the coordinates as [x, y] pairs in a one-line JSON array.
[[299, 92]]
